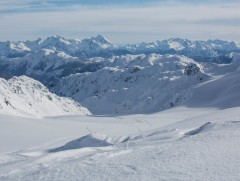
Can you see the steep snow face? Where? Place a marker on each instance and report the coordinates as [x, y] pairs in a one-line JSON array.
[[13, 49], [45, 65], [96, 46], [235, 56], [134, 84], [220, 92], [98, 42], [44, 60], [23, 96]]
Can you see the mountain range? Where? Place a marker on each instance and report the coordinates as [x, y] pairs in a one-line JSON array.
[[110, 79], [99, 46], [91, 110]]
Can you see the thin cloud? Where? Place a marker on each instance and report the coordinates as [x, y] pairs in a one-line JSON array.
[[30, 6], [126, 24]]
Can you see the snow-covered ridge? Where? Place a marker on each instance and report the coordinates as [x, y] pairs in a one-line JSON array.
[[200, 50], [106, 79], [91, 47], [125, 84], [197, 139], [50, 59], [23, 96], [134, 84], [99, 46]]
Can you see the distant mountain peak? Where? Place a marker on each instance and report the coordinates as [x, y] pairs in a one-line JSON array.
[[57, 38], [101, 39]]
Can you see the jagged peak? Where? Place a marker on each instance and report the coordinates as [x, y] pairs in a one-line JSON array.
[[54, 37], [57, 38], [101, 39]]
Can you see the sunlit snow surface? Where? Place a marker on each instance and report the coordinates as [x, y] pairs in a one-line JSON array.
[[177, 144], [197, 140]]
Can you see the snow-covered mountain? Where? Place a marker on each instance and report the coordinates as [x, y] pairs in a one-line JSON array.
[[13, 49], [99, 46], [46, 65], [145, 83], [95, 46], [197, 139], [189, 142], [23, 96], [214, 50], [106, 80], [50, 59], [134, 84], [235, 56]]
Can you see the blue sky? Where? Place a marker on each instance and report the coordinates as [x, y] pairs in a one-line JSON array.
[[122, 21]]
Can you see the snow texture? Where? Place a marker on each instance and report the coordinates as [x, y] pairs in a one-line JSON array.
[[23, 96]]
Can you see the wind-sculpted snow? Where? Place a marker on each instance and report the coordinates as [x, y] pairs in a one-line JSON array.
[[23, 96], [178, 144], [86, 141]]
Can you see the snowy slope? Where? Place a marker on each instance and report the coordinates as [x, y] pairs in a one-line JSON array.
[[23, 96], [220, 92], [134, 84], [197, 139], [13, 49], [151, 83], [110, 85], [46, 65], [52, 58], [178, 144], [235, 56]]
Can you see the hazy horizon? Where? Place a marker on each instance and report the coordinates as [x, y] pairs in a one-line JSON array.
[[121, 22]]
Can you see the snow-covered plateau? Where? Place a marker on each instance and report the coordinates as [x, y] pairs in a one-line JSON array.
[[90, 110]]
